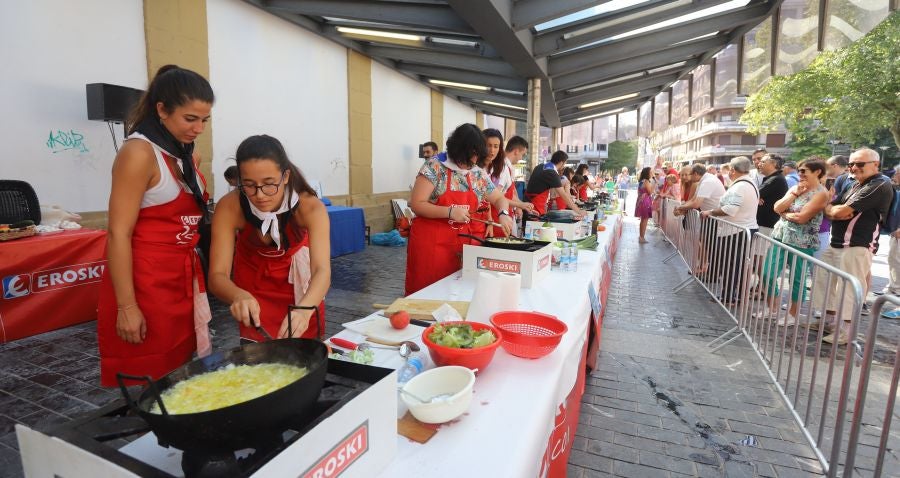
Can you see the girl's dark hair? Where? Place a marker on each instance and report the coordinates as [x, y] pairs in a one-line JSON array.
[[465, 141], [816, 165], [581, 168], [645, 174], [496, 167], [172, 86], [568, 172], [266, 147], [578, 179]]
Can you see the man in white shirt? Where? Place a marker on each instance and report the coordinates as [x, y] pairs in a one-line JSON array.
[[738, 206], [709, 191], [755, 174]]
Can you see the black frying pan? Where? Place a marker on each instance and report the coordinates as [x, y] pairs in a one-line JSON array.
[[243, 424], [503, 242]]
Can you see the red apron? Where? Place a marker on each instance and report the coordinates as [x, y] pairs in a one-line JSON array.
[[435, 249], [168, 281], [539, 201], [266, 273], [495, 214], [480, 229]]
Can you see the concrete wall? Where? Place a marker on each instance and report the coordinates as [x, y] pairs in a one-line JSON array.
[[272, 77], [401, 111], [455, 114], [51, 49]]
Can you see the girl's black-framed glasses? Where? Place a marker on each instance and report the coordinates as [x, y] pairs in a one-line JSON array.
[[270, 189]]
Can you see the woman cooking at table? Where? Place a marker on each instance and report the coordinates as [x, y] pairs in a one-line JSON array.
[[152, 312], [282, 253], [500, 169], [443, 197]]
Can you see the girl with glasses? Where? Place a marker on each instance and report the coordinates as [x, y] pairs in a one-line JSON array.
[[277, 232]]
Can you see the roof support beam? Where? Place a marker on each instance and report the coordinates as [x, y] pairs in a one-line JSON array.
[[649, 61], [448, 60], [497, 111], [619, 90], [612, 25], [460, 76], [439, 17], [480, 96], [528, 13], [655, 41], [492, 20]]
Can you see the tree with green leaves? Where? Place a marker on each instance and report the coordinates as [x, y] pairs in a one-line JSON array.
[[621, 154], [852, 92]]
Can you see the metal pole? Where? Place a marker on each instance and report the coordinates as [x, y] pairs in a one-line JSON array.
[[533, 126]]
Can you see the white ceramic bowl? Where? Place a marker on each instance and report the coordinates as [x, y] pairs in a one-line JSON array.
[[452, 379]]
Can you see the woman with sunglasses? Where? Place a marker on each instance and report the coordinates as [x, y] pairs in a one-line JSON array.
[[277, 232], [152, 313]]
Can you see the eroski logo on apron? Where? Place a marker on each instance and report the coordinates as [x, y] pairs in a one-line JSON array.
[[187, 235]]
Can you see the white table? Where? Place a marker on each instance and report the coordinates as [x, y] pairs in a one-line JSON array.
[[518, 402]]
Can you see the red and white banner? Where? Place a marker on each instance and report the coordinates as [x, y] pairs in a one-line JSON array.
[[48, 282]]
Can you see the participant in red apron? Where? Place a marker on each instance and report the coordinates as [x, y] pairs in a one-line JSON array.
[[435, 247], [152, 311], [173, 296], [444, 197], [271, 246], [275, 277]]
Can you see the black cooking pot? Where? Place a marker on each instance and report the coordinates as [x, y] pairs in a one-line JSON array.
[[242, 425], [503, 242]]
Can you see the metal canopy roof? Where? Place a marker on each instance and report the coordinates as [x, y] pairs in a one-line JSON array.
[[585, 52]]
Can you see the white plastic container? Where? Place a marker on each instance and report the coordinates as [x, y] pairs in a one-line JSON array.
[[452, 380]]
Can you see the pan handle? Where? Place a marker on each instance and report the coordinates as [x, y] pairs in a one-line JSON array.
[[315, 310], [473, 237], [121, 377]]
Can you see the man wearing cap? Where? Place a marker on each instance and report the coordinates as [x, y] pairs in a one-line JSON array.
[[790, 173]]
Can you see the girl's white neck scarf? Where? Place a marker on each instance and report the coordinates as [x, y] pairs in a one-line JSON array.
[[270, 219]]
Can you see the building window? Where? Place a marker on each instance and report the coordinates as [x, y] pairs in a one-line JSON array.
[[797, 35], [849, 20], [724, 139], [748, 140], [757, 57], [774, 140]]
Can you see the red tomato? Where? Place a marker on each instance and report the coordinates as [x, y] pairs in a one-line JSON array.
[[400, 319]]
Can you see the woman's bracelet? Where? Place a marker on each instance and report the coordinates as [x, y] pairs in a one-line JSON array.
[[126, 307], [450, 211]]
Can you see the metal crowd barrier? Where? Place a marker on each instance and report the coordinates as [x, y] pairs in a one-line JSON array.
[[752, 279]]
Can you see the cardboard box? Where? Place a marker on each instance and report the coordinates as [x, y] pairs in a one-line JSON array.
[[567, 231], [533, 266]]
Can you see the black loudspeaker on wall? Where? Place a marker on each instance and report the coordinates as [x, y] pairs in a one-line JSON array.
[[107, 102]]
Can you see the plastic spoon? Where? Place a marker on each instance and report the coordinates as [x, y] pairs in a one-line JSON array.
[[435, 399]]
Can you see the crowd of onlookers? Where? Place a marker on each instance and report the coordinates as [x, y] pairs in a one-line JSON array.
[[833, 209]]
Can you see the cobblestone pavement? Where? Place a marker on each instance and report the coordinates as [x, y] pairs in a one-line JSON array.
[[659, 404]]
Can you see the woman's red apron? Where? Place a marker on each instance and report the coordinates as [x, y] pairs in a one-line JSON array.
[[168, 283], [539, 201], [264, 272], [495, 214], [435, 249]]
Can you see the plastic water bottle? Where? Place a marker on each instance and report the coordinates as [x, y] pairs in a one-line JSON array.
[[410, 369], [564, 259], [573, 258]]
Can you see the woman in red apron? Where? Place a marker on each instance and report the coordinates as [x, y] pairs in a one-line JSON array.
[[274, 230], [501, 172], [443, 197], [152, 312]]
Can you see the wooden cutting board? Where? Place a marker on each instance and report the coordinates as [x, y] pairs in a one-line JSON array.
[[422, 308]]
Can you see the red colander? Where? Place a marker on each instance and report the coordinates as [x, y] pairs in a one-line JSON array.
[[529, 334]]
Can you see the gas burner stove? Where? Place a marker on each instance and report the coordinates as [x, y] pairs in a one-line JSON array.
[[115, 434]]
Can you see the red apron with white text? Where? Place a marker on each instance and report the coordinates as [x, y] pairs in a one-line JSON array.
[[165, 267], [263, 271], [435, 248]]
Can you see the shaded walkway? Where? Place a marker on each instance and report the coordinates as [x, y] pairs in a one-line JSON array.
[[660, 404]]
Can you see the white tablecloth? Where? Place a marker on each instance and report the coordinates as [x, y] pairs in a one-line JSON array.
[[507, 427]]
